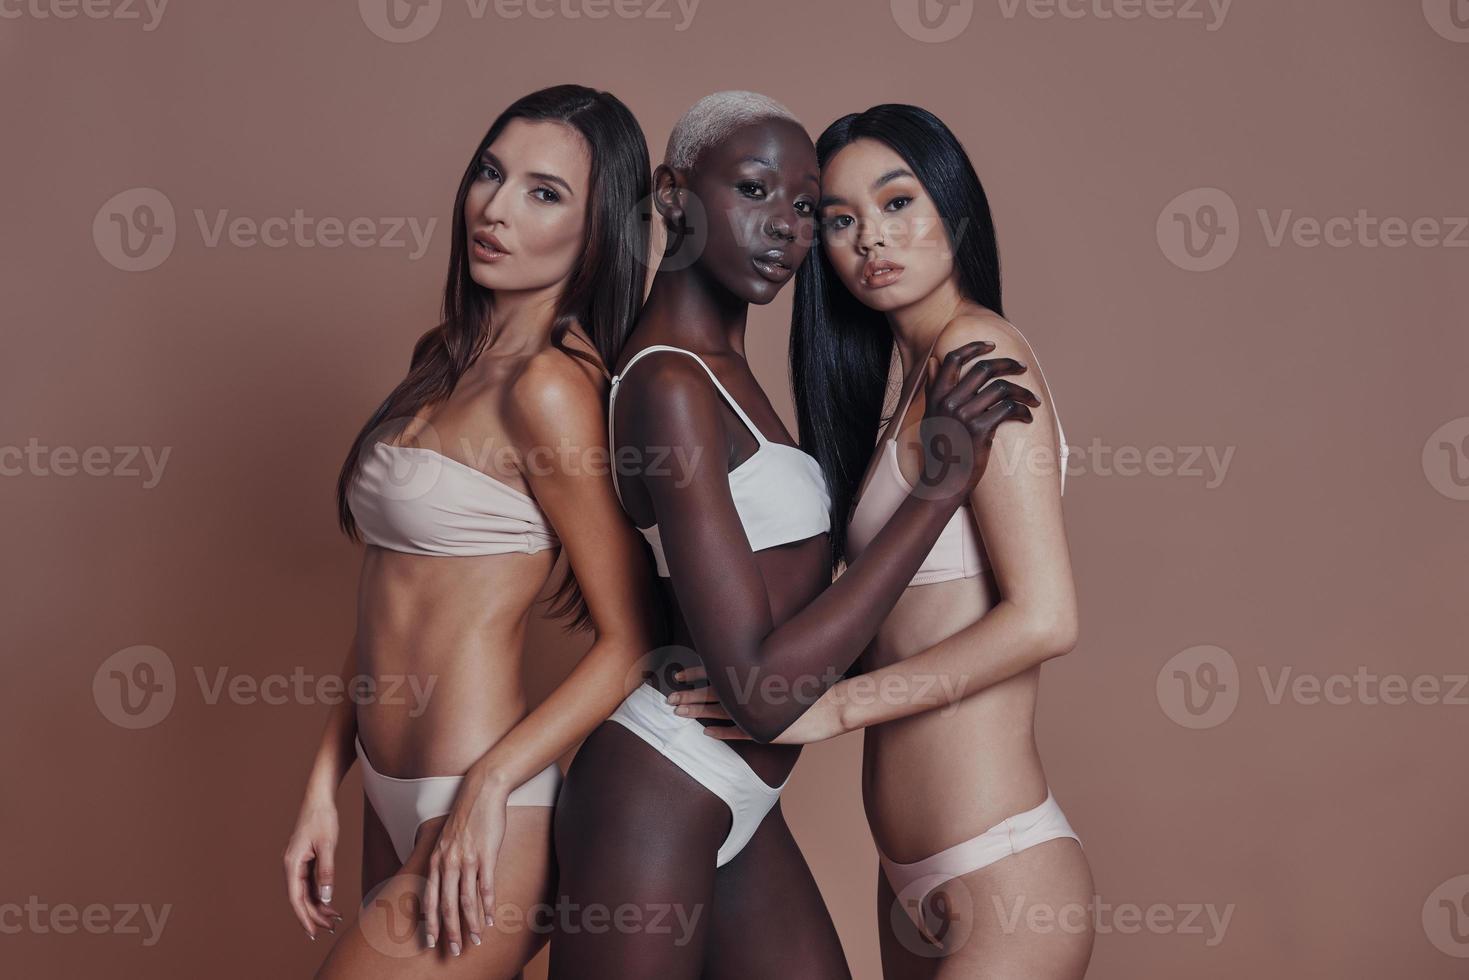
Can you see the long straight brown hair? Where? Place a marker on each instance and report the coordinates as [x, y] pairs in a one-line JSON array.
[[604, 293]]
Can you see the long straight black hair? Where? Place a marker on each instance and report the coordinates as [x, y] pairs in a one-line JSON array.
[[841, 349], [604, 293]]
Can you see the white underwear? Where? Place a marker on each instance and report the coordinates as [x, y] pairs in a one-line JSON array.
[[912, 883], [711, 762], [404, 804]]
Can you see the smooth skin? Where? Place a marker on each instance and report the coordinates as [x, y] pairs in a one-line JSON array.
[[632, 830], [460, 621], [955, 664]]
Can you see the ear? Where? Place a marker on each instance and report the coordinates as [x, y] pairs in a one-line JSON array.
[[669, 188]]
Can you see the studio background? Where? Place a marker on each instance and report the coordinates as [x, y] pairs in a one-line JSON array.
[[1270, 433]]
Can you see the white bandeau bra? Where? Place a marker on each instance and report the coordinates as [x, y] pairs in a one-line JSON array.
[[421, 502], [779, 491]]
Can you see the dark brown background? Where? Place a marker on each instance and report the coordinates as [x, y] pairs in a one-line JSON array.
[[1335, 542]]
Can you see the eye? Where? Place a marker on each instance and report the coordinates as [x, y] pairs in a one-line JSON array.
[[899, 203], [805, 208], [551, 197], [487, 171], [839, 222], [751, 188]]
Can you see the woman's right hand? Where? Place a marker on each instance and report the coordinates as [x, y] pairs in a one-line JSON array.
[[310, 860], [961, 414]]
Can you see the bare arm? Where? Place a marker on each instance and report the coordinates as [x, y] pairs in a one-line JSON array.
[[558, 416], [571, 482], [766, 675], [1018, 510]]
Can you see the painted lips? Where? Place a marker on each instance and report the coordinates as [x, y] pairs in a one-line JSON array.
[[878, 273], [772, 265], [488, 248]]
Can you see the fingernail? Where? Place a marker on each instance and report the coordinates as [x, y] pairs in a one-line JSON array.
[[682, 709], [326, 894], [678, 675], [454, 949], [489, 921], [474, 938], [430, 942], [311, 937]]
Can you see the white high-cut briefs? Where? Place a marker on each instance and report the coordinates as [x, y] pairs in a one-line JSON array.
[[912, 883], [404, 804], [716, 766]]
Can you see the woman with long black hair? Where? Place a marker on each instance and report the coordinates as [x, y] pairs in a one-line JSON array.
[[677, 836], [971, 839], [483, 465]]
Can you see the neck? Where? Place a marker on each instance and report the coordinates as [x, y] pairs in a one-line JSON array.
[[693, 311], [520, 320], [916, 326]]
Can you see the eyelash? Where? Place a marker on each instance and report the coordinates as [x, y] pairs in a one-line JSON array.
[[906, 200], [804, 208], [488, 172]]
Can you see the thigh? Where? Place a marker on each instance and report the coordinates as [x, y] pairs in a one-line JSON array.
[[906, 953], [771, 920], [1025, 917], [386, 940], [636, 839], [379, 859]]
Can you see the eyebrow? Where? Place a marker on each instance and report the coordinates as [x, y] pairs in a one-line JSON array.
[[770, 166], [829, 200], [549, 178]]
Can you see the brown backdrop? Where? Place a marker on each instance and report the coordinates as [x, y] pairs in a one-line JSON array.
[[1266, 713]]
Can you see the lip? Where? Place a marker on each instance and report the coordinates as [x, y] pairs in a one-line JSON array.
[[773, 264], [878, 273], [486, 247]]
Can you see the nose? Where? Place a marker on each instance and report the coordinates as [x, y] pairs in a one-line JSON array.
[[497, 206], [869, 236], [777, 225]]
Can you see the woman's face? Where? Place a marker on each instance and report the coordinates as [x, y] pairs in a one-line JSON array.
[[758, 190], [525, 216], [880, 229]]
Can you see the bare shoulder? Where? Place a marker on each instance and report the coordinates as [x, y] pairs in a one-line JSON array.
[[557, 394], [1008, 341], [669, 392]]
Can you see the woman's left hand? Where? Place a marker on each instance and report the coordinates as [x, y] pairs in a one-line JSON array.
[[461, 870], [819, 722]]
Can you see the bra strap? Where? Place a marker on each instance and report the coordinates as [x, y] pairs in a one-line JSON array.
[[754, 430], [908, 400]]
